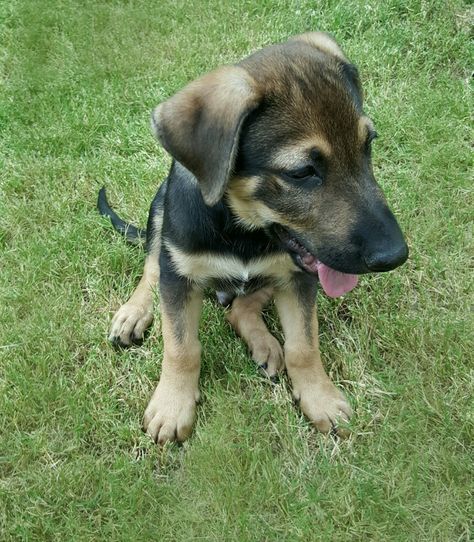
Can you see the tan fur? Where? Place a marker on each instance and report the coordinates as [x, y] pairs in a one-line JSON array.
[[200, 267], [251, 212], [319, 399], [255, 214], [240, 197], [154, 246], [201, 126], [295, 155], [171, 411], [246, 318], [223, 98], [223, 85], [135, 316], [321, 41], [365, 125]]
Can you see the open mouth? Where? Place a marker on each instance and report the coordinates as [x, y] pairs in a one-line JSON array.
[[334, 283]]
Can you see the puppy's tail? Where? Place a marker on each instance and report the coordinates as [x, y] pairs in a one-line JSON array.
[[132, 234]]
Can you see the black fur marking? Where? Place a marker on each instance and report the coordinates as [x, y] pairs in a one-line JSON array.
[[225, 299], [351, 76], [174, 295], [306, 287], [195, 227]]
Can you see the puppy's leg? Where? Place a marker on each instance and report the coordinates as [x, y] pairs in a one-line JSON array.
[[318, 397], [171, 410], [246, 318], [136, 315]]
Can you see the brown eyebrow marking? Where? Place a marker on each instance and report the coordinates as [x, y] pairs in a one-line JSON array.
[[294, 155]]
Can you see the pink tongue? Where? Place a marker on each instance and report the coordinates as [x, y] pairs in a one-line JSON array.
[[334, 282]]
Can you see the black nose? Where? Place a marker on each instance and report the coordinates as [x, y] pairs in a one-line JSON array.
[[387, 259]]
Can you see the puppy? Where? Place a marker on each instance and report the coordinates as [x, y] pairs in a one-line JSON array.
[[271, 191]]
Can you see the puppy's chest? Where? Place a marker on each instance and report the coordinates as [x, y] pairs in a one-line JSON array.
[[229, 272]]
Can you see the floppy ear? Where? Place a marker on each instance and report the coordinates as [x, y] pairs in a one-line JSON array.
[[200, 126]]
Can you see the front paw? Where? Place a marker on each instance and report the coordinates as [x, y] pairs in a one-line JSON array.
[[130, 323], [324, 405], [170, 413]]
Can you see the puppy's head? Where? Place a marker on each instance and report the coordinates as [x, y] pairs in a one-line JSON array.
[[283, 137]]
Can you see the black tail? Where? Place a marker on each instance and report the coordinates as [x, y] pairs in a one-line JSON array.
[[133, 235]]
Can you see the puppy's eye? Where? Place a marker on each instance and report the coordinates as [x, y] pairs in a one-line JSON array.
[[305, 177], [302, 173]]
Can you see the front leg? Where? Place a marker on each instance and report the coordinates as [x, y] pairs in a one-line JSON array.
[[134, 317], [318, 397], [171, 411]]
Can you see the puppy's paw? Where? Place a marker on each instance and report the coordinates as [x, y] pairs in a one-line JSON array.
[[130, 323], [324, 405], [170, 413], [266, 351]]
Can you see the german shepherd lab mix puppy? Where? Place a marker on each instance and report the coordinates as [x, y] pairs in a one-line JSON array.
[[271, 188]]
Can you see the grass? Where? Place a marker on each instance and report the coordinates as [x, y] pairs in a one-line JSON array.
[[78, 80]]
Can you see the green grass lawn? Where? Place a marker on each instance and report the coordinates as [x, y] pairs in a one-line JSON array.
[[78, 80]]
